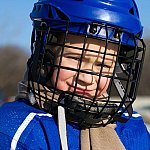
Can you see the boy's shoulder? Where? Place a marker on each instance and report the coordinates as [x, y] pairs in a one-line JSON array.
[[16, 111], [12, 114], [134, 133], [136, 121]]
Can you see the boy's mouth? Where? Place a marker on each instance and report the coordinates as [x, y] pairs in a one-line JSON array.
[[79, 90]]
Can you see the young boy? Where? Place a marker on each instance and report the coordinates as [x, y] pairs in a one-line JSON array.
[[82, 53]]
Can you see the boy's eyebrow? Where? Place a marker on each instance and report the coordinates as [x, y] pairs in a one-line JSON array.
[[69, 53]]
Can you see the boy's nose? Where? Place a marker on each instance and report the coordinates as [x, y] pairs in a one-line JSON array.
[[86, 78]]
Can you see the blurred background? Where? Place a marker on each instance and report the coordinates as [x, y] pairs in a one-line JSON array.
[[15, 33]]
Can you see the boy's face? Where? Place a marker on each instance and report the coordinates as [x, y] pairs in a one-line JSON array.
[[91, 62]]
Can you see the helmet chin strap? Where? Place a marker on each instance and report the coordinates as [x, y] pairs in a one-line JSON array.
[[86, 113]]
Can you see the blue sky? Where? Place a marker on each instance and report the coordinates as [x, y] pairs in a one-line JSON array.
[[16, 26]]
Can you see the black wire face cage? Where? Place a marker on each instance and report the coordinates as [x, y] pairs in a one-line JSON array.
[[50, 43]]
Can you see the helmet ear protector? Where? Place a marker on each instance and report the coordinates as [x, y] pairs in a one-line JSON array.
[[50, 21]]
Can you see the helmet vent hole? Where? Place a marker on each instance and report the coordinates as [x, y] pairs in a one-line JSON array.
[[39, 7], [61, 15], [131, 11], [93, 29], [50, 15]]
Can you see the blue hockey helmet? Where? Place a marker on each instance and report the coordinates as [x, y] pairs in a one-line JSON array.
[[118, 13]]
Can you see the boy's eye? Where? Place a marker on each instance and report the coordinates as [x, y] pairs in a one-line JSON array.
[[102, 65], [73, 57]]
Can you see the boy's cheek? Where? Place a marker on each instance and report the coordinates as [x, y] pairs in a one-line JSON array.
[[104, 83], [64, 76]]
